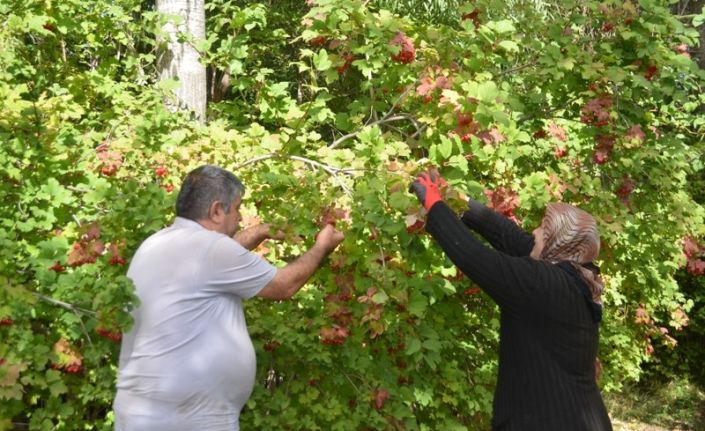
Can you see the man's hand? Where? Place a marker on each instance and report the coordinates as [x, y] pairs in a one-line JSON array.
[[275, 233], [329, 238], [292, 277], [251, 237], [426, 188]]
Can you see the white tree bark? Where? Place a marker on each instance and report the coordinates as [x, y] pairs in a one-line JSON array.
[[182, 59]]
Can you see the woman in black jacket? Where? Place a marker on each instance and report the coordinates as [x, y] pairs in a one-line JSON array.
[[548, 291]]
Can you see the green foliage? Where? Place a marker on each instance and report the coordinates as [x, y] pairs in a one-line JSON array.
[[674, 404], [328, 111]]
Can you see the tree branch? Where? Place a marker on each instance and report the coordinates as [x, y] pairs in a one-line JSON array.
[[330, 169], [383, 120], [66, 305]]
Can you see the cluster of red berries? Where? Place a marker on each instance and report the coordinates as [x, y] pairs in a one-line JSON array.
[[603, 149], [110, 161], [693, 251], [115, 336], [407, 52], [596, 111], [625, 189]]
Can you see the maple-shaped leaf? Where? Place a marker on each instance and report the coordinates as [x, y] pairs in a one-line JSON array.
[[679, 318], [90, 232], [443, 82], [379, 397], [491, 136], [374, 312], [363, 299], [68, 357], [635, 133], [504, 201], [426, 87], [696, 266], [557, 132], [334, 335], [340, 313], [642, 315], [691, 248]]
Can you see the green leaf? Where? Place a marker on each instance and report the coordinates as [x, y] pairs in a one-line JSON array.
[[400, 200], [487, 91], [509, 45], [445, 148], [321, 61], [417, 304], [501, 27], [413, 345], [566, 63]]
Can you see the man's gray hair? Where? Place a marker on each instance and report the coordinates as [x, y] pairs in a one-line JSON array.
[[205, 185]]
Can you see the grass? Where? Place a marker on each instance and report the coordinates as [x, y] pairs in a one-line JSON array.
[[658, 406]]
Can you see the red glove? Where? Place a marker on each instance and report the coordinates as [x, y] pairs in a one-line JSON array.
[[426, 188]]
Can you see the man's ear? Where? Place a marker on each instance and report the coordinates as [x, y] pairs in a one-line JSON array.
[[216, 212]]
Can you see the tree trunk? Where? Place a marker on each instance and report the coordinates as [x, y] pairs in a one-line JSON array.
[[181, 60], [689, 7]]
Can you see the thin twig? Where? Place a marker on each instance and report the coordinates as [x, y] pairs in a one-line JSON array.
[[399, 117], [352, 383], [331, 170], [66, 305], [516, 69], [419, 131], [255, 160], [85, 331]]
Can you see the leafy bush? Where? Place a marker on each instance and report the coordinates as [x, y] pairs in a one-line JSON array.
[[329, 111]]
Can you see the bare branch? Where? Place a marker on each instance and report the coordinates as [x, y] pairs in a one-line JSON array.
[[386, 119], [330, 169], [254, 160], [66, 305]]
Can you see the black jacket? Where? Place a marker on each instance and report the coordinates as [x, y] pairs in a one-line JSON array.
[[548, 333]]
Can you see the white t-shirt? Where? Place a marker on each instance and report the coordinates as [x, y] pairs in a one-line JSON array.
[[188, 363]]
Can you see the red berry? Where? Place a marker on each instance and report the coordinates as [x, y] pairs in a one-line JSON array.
[[160, 171], [348, 61], [416, 227], [560, 152], [57, 267], [6, 321], [474, 16], [108, 171], [73, 368], [117, 260], [472, 291], [317, 41], [407, 52], [114, 336]]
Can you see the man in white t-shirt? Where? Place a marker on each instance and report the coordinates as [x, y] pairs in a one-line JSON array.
[[188, 362]]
